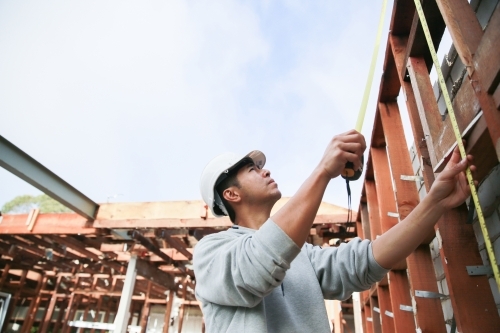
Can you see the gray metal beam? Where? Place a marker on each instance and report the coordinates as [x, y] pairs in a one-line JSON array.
[[25, 167]]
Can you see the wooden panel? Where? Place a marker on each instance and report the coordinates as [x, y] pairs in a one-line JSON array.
[[457, 237], [429, 314]]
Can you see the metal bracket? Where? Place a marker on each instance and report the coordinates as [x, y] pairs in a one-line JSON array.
[[412, 178], [389, 314], [369, 319], [479, 270], [408, 308], [391, 214], [376, 309], [429, 294]]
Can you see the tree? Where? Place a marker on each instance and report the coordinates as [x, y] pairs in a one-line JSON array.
[[22, 204]]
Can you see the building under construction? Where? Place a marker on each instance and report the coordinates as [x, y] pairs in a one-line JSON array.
[[127, 266]]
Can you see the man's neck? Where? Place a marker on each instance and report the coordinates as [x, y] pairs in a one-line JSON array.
[[252, 217]]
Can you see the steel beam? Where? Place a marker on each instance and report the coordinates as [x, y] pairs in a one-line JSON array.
[[25, 167]]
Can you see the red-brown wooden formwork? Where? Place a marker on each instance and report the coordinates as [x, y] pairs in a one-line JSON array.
[[406, 67]]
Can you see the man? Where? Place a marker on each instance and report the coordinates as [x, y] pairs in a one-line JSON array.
[[261, 276]]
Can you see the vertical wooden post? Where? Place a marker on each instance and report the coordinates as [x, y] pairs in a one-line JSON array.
[[397, 291], [97, 311], [375, 315], [50, 309], [107, 313], [60, 316], [181, 318], [145, 310], [384, 301], [168, 311], [33, 308], [70, 313], [428, 312], [13, 302], [5, 274], [368, 318]]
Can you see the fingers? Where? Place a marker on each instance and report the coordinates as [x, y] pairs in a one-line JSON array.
[[352, 147], [351, 136]]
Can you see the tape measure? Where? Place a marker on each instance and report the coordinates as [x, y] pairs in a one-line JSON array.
[[456, 130], [349, 173]]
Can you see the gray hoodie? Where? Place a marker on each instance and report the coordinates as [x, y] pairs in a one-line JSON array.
[[261, 281]]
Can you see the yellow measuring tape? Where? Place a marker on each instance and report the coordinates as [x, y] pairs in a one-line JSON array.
[[368, 86], [456, 130]]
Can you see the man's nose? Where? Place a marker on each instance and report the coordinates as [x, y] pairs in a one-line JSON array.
[[266, 173]]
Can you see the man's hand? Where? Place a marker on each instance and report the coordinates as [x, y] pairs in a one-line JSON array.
[[451, 188], [343, 148]]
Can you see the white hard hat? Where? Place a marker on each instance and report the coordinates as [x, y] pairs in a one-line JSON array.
[[218, 166]]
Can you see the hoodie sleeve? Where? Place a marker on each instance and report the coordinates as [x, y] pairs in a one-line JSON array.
[[345, 269], [239, 270]]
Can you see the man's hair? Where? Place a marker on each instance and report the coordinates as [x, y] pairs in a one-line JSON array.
[[230, 180]]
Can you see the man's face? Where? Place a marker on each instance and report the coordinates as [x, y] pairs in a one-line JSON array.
[[256, 185]]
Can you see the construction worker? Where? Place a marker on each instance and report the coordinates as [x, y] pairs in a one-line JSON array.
[[261, 276]]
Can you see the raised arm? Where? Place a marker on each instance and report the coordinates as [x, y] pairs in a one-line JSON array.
[[297, 216], [449, 190]]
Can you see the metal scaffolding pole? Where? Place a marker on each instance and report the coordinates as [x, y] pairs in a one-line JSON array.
[[123, 313]]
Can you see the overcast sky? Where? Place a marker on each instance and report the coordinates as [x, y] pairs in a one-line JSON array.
[[127, 101]]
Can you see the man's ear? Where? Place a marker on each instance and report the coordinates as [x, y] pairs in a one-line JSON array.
[[231, 194]]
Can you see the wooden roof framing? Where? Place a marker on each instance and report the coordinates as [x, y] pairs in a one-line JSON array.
[[66, 261], [387, 196]]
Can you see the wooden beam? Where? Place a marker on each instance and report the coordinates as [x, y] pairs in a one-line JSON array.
[[154, 275], [375, 314], [168, 311], [65, 223], [384, 301], [145, 310], [399, 286], [194, 223], [417, 44], [60, 315], [50, 309], [429, 313], [79, 247], [33, 308], [365, 221], [14, 300], [175, 243]]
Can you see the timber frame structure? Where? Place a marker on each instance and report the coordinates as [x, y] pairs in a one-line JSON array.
[[435, 289], [53, 262], [54, 266]]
